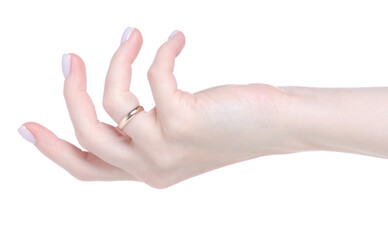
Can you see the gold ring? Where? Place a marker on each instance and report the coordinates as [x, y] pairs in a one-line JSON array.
[[129, 116]]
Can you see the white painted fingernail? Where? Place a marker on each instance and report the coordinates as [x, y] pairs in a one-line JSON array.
[[126, 34], [26, 134], [173, 34], [66, 64]]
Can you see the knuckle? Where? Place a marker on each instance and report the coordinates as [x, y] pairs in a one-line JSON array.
[[159, 185], [83, 173], [162, 49], [158, 180], [152, 72], [84, 138], [117, 60], [159, 173], [82, 178], [108, 102], [177, 117], [82, 141]]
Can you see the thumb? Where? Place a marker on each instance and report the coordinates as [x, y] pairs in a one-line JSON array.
[[160, 74]]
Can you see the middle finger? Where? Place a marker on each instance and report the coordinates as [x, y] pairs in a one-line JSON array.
[[118, 100]]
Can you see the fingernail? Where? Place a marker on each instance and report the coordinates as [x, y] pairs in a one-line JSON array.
[[126, 34], [26, 134], [66, 65], [173, 34]]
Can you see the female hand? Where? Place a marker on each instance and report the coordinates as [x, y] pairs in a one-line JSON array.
[[182, 136]]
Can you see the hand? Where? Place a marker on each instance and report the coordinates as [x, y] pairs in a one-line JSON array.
[[182, 136]]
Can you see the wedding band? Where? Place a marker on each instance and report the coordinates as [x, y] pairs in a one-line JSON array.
[[129, 116]]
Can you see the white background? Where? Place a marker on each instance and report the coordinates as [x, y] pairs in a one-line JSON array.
[[314, 195]]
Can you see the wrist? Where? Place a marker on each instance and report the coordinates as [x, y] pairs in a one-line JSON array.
[[310, 118], [281, 121]]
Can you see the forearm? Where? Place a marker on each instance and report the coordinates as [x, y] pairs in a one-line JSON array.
[[351, 120]]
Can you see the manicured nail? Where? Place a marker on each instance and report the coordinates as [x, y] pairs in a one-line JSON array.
[[26, 134], [173, 34], [126, 34], [66, 64]]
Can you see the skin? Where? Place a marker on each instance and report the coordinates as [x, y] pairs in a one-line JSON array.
[[186, 134]]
